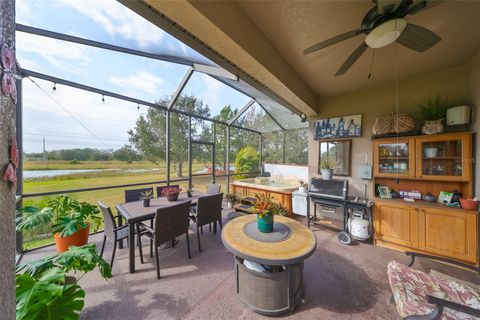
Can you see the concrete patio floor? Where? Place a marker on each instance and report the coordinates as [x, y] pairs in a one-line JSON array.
[[341, 282]]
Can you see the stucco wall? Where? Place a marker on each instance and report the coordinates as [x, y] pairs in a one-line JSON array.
[[380, 101], [475, 96]]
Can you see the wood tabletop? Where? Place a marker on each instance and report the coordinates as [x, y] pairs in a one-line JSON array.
[[135, 211], [297, 247]]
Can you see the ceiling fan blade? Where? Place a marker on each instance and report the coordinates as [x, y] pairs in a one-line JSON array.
[[418, 38], [331, 41], [352, 59], [420, 5]]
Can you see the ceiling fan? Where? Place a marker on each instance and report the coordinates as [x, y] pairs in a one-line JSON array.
[[384, 24]]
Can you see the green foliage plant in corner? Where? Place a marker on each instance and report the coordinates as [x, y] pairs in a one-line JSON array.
[[45, 291]]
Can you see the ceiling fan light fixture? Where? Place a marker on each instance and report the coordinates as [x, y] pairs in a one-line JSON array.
[[386, 33]]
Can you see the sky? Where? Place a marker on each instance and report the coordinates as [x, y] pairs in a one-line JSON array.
[[70, 118]]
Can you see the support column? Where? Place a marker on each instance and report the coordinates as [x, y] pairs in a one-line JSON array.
[[227, 157], [167, 145], [7, 192], [261, 152], [283, 147]]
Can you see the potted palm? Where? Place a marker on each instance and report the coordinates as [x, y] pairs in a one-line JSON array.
[[327, 165], [434, 111], [266, 208], [171, 193], [303, 186], [146, 196], [69, 219], [45, 291]]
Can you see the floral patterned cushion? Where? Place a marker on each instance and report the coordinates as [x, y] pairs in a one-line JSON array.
[[410, 287]]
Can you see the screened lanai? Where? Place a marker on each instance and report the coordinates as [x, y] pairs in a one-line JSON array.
[[96, 92]]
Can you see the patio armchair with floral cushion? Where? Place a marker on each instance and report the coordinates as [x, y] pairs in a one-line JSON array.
[[421, 296]]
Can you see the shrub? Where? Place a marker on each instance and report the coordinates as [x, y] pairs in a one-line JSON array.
[[247, 160]]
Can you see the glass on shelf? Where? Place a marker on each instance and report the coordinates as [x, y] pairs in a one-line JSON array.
[[442, 158], [393, 158]]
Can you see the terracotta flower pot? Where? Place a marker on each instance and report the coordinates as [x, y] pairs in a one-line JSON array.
[[79, 238]]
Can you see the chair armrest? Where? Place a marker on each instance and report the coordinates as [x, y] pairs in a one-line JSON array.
[[413, 255], [453, 305], [148, 228]]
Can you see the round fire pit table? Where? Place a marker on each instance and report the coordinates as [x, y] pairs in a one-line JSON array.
[[278, 287]]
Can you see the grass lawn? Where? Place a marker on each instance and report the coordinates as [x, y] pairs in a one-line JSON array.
[[110, 197]]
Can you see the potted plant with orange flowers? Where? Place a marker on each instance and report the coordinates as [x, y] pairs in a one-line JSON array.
[[266, 208], [171, 193]]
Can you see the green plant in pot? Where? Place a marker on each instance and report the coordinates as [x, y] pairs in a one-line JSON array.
[[434, 111], [266, 208], [44, 290], [69, 219], [146, 196], [231, 198], [327, 165]]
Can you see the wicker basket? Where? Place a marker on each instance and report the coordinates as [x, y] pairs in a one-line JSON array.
[[398, 123]]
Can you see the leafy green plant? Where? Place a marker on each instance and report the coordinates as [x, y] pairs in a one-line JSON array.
[[65, 215], [266, 205], [247, 160], [42, 289], [328, 163], [48, 297], [84, 258], [434, 108], [147, 194]]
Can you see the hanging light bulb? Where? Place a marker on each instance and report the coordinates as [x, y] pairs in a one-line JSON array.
[[103, 98], [138, 106], [54, 88]]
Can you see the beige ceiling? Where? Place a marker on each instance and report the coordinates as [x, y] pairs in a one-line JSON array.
[[291, 26]]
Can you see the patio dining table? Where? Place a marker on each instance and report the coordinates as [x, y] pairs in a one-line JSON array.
[[134, 212]]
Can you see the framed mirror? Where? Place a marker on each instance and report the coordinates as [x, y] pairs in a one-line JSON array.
[[338, 151]]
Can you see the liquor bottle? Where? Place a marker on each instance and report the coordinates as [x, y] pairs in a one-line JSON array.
[[334, 130], [351, 128], [328, 128], [323, 129], [341, 128], [357, 131]]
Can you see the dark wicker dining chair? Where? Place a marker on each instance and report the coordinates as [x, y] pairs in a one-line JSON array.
[[170, 222], [209, 210], [161, 188], [112, 232], [135, 195]]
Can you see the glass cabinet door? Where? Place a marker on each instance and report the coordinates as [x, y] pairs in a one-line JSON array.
[[394, 158], [442, 158]]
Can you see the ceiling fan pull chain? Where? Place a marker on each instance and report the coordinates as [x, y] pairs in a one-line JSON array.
[[371, 65]]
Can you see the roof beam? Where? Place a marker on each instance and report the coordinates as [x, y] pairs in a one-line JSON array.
[[106, 46], [180, 88], [214, 71], [245, 107]]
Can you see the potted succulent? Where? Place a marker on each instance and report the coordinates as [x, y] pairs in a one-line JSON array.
[[45, 291], [171, 193], [327, 165], [231, 198], [265, 207], [69, 219], [146, 196], [433, 111], [303, 186]]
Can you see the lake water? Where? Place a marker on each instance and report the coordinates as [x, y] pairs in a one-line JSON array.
[[31, 174]]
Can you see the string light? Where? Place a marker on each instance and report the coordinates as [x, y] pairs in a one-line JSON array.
[[103, 98], [54, 88], [138, 106]]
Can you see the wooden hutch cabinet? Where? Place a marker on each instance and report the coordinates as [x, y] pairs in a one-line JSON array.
[[433, 163]]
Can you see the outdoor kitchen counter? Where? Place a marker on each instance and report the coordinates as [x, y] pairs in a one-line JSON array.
[[290, 243]]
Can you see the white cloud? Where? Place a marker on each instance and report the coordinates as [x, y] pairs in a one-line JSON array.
[[112, 118], [62, 54], [115, 19], [212, 94], [142, 81], [23, 13]]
